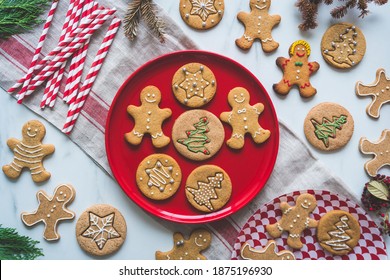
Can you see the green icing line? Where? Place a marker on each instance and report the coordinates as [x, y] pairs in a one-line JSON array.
[[197, 138], [328, 128]]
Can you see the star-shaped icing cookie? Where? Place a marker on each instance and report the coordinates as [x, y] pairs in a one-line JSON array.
[[379, 90], [202, 14], [380, 150]]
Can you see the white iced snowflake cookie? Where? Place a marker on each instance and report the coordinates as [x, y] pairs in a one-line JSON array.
[[202, 14]]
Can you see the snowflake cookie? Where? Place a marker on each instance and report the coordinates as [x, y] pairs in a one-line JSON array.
[[243, 119], [379, 90], [343, 45], [338, 232], [158, 176], [51, 210], [101, 230], [29, 152], [269, 252], [208, 188], [295, 219], [258, 25], [202, 14], [380, 150], [187, 249]]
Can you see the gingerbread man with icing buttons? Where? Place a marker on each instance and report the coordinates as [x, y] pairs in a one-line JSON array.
[[258, 25], [148, 118], [295, 220], [200, 239], [51, 210], [243, 119], [297, 70], [29, 152]]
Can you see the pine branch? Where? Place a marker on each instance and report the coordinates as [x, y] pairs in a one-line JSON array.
[[309, 14], [148, 11], [142, 9], [18, 16], [16, 247]]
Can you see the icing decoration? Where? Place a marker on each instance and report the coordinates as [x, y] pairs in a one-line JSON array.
[[101, 229], [344, 47], [339, 237], [197, 139], [379, 90], [203, 8], [328, 128], [159, 177], [194, 84], [269, 252], [206, 191]]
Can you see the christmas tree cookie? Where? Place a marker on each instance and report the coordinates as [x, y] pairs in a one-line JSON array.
[[343, 45], [328, 126], [208, 188], [197, 134], [338, 232], [258, 25]]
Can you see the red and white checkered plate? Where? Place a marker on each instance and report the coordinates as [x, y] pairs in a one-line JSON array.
[[370, 247]]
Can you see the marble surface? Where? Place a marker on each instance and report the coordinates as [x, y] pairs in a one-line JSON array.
[[71, 165]]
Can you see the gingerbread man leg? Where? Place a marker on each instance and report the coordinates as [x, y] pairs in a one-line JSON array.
[[294, 240], [283, 87], [237, 140], [134, 137], [39, 174], [274, 230], [260, 135], [12, 171], [306, 89], [159, 140], [245, 42]]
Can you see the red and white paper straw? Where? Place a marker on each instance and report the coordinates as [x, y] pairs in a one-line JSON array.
[[76, 106], [26, 79]]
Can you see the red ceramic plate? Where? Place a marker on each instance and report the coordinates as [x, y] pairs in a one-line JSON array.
[[248, 168]]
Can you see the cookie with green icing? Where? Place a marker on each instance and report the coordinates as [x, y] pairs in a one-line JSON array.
[[198, 134], [328, 126]]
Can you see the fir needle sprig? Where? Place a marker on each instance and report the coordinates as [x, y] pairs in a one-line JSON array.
[[17, 16], [309, 10], [146, 10], [16, 247]]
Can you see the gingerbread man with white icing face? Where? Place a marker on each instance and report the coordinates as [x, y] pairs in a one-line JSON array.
[[148, 118], [258, 25], [244, 119], [297, 70], [200, 239], [51, 210], [29, 152], [295, 220]]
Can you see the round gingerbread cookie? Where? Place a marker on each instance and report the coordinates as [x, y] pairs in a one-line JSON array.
[[328, 126], [208, 188], [198, 134], [343, 45], [194, 85], [201, 14], [101, 230], [338, 232], [158, 176]]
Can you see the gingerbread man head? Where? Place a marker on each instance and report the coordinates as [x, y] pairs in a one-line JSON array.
[[307, 202], [201, 238], [300, 49], [150, 95], [238, 98], [33, 132], [260, 4], [63, 194]]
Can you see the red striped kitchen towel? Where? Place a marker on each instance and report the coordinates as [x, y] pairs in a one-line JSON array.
[[295, 168]]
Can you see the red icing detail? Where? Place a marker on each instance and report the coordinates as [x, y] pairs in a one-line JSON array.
[[285, 63], [287, 82], [305, 85], [310, 67]]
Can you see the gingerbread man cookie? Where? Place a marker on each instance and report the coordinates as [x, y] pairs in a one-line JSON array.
[[297, 70], [29, 152], [200, 239], [51, 210], [295, 219], [258, 25], [266, 253], [148, 118], [380, 150], [243, 119], [379, 90]]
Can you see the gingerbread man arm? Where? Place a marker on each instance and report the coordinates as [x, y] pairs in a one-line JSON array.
[[12, 142], [242, 16], [276, 19], [166, 113], [259, 108], [48, 149], [225, 116], [131, 109], [366, 146], [284, 206], [177, 237], [282, 62], [32, 218], [312, 223], [313, 67]]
